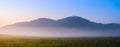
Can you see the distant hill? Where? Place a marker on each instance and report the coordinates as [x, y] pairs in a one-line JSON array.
[[73, 26], [69, 22]]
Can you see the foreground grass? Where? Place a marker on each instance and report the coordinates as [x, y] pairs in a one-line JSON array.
[[60, 42]]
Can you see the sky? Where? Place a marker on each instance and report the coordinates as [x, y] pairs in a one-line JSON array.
[[100, 11]]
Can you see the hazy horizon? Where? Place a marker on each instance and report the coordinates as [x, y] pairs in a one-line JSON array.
[[93, 12], [73, 26], [100, 11], [60, 23]]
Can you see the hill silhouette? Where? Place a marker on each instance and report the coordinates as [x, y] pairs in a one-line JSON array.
[[68, 22], [72, 26]]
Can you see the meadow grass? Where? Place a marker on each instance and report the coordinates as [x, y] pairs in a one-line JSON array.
[[60, 42]]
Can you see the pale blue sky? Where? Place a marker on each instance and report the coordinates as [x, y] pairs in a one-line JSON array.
[[101, 11]]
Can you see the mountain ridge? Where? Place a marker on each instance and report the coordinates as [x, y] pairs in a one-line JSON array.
[[68, 22]]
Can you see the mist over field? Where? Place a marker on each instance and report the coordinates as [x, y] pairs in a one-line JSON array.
[[59, 32], [59, 23]]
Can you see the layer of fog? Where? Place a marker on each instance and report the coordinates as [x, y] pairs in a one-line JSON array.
[[58, 32]]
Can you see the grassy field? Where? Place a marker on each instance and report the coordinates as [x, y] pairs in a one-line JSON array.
[[60, 42]]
